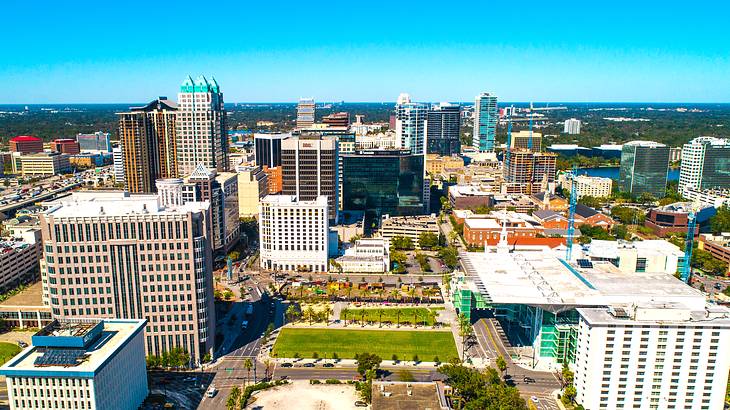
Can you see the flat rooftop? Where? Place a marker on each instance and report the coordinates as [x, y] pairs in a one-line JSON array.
[[32, 296], [664, 314], [539, 277], [92, 358], [115, 203], [610, 249], [395, 396]]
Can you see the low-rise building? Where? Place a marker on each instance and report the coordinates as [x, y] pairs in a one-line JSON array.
[[435, 164], [713, 197], [371, 255], [81, 364], [585, 215], [550, 219], [674, 218], [44, 164], [547, 200], [469, 197], [597, 187], [18, 262], [294, 235], [65, 146], [639, 256], [408, 226], [717, 245], [522, 229]]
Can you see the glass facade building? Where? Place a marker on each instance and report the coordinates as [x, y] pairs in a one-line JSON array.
[[485, 122], [383, 182], [644, 166], [442, 129]]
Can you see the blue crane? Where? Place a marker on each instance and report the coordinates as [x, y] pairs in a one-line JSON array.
[[686, 271], [571, 213]]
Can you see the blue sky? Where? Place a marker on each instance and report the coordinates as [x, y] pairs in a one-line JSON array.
[[658, 51]]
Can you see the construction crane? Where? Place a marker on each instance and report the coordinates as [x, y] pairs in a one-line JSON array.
[[686, 272], [509, 134], [571, 213], [529, 140]]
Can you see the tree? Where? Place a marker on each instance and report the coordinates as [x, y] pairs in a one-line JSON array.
[[381, 312], [567, 375], [406, 376], [453, 237], [402, 243], [394, 357], [310, 314], [501, 365], [248, 365], [233, 398], [569, 394], [465, 330], [292, 313], [627, 215], [343, 312], [477, 390], [720, 222], [398, 312], [367, 361], [428, 240], [326, 312], [449, 256], [416, 359]]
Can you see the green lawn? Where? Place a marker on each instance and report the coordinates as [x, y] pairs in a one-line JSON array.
[[7, 351], [391, 315], [347, 343]]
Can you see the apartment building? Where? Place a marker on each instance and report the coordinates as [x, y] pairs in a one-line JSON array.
[[118, 255], [596, 187], [253, 185], [90, 364]]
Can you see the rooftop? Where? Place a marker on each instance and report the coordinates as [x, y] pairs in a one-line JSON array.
[[30, 296], [24, 138], [408, 396], [651, 144], [115, 203], [665, 313], [292, 200], [59, 350], [610, 249]]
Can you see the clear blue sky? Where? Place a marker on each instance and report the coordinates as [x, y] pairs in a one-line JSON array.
[[81, 51]]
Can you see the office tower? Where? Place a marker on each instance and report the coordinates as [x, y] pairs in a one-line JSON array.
[[384, 182], [526, 140], [337, 119], [527, 172], [705, 164], [410, 124], [119, 255], [118, 157], [644, 166], [89, 364], [305, 113], [485, 122], [294, 234], [571, 126], [98, 141], [25, 144], [65, 146], [147, 136], [221, 191], [310, 169], [202, 134], [267, 149], [253, 185], [442, 129]]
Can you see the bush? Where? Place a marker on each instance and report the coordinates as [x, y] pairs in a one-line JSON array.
[[315, 381], [332, 381]]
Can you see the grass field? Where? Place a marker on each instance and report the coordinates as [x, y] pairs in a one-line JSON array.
[[423, 315], [7, 351], [347, 343]]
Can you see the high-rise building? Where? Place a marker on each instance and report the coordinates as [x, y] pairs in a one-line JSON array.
[[253, 185], [443, 128], [118, 158], [202, 136], [337, 119], [119, 255], [485, 122], [91, 364], [527, 172], [98, 141], [305, 113], [267, 149], [65, 146], [147, 136], [310, 169], [705, 164], [410, 124], [644, 166], [294, 234], [571, 126], [526, 139], [384, 182]]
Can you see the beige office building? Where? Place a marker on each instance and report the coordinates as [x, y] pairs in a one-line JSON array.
[[44, 164], [252, 187], [119, 255]]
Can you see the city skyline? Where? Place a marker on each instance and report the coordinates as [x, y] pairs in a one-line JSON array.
[[570, 53]]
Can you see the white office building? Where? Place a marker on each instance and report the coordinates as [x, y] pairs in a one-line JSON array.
[[86, 364], [705, 162], [369, 255], [713, 197], [639, 256], [571, 126], [118, 156], [410, 124], [305, 113], [294, 235], [597, 187], [652, 356]]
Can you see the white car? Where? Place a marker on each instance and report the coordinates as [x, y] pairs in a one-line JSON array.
[[534, 399], [211, 391]]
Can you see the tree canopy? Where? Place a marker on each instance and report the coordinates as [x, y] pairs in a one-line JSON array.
[[484, 391]]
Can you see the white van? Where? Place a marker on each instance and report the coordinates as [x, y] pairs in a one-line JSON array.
[[211, 391]]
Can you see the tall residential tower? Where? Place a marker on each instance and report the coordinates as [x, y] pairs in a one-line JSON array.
[[705, 164], [442, 129], [485, 122], [410, 125]]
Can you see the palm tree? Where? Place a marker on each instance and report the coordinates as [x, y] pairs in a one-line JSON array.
[[310, 314], [291, 313], [344, 313], [248, 365], [326, 312], [465, 331], [233, 398], [412, 293], [398, 312], [362, 317], [349, 290], [415, 317], [395, 293], [267, 368], [381, 312]]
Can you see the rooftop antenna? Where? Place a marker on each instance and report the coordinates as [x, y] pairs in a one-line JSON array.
[[509, 136]]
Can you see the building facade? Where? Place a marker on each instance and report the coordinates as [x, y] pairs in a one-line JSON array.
[[25, 144], [337, 119], [310, 168], [705, 164], [294, 234], [305, 113], [267, 149], [443, 129], [65, 146], [18, 262], [571, 126], [118, 165], [644, 166], [717, 245], [44, 164], [408, 226], [87, 364], [148, 141], [98, 141], [253, 186], [370, 255], [410, 125], [485, 122], [117, 255], [525, 139], [528, 172], [596, 187], [201, 130]]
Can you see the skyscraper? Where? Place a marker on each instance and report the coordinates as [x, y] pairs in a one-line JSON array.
[[442, 129], [267, 149], [337, 119], [644, 166], [485, 122], [120, 255], [526, 172], [410, 124], [310, 169], [98, 141], [147, 136], [305, 113], [705, 164], [202, 136]]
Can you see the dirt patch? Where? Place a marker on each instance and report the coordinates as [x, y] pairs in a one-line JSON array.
[[306, 397]]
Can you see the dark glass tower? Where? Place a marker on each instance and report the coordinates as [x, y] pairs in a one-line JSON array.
[[644, 166], [442, 129]]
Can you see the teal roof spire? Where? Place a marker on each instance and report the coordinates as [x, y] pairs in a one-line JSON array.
[[187, 85]]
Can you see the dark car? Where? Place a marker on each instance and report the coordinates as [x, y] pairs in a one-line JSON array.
[[328, 365], [287, 365], [527, 379], [360, 403], [309, 364]]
